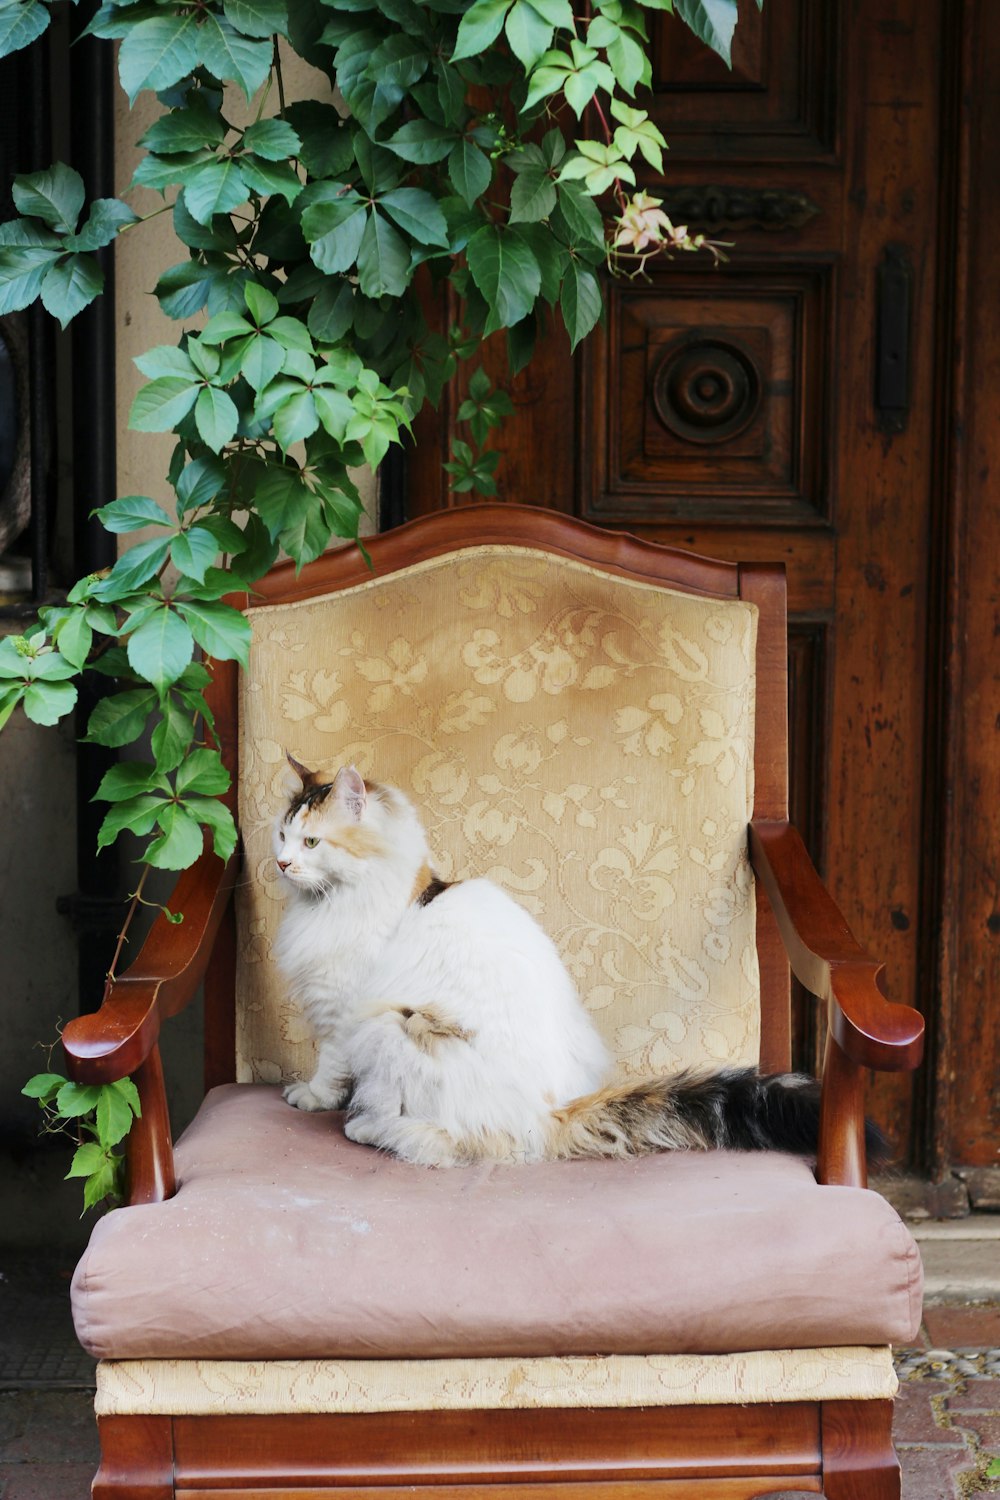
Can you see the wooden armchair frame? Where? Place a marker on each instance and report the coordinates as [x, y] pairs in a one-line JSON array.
[[840, 1448]]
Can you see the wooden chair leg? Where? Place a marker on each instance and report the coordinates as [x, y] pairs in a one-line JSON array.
[[137, 1459], [859, 1461]]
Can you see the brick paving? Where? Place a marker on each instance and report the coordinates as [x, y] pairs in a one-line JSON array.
[[947, 1419]]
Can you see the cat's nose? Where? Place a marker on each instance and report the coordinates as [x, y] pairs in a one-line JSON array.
[[283, 864]]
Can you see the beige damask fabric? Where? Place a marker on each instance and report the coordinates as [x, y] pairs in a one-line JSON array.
[[196, 1387], [584, 740]]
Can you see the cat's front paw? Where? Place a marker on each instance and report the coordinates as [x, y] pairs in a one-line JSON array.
[[361, 1129], [309, 1097]]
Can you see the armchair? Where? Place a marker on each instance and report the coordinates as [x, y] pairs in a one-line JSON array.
[[596, 723]]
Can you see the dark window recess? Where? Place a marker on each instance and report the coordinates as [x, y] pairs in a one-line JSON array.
[[27, 357], [57, 394]]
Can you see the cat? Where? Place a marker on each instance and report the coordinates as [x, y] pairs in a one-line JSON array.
[[446, 1021]]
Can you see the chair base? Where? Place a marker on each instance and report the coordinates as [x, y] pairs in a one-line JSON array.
[[840, 1449]]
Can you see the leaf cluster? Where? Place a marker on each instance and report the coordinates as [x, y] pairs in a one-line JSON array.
[[98, 1116], [311, 239]]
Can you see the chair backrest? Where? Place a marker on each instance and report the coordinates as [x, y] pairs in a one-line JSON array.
[[574, 714]]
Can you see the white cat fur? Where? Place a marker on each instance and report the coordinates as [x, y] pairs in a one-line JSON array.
[[450, 1025]]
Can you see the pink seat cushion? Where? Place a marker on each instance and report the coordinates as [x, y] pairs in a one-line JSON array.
[[286, 1240]]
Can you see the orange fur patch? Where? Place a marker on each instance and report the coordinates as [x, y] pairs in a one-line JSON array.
[[424, 877], [427, 1029]]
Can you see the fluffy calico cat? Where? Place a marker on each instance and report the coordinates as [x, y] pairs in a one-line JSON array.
[[445, 1017]]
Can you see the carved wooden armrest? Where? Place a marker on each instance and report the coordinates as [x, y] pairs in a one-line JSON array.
[[865, 1029], [122, 1037]]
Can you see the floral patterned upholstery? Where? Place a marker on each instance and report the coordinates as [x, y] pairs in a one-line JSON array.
[[583, 739]]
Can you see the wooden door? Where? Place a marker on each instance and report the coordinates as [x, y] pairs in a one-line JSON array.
[[783, 407]]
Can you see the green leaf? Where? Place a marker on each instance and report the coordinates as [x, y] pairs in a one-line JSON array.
[[470, 170], [296, 418], [581, 302], [422, 142], [134, 568], [55, 196], [27, 253], [220, 631], [262, 361], [131, 513], [70, 286], [199, 483], [49, 667], [335, 411], [107, 216], [506, 273], [114, 1118], [331, 313], [383, 259], [712, 21], [579, 217], [158, 52], [166, 360], [10, 697], [479, 27], [228, 55], [137, 815], [258, 18], [48, 702], [43, 1085], [275, 494], [193, 551], [180, 843], [160, 648], [74, 637], [88, 1158], [417, 213], [268, 178], [104, 1183], [172, 736], [181, 130], [334, 231], [75, 1099], [217, 187], [219, 236], [275, 140], [225, 325], [21, 24], [261, 303], [203, 772], [326, 150], [216, 417], [163, 403], [219, 819], [183, 290], [128, 1091], [128, 779], [399, 61], [532, 196], [120, 719], [528, 33]]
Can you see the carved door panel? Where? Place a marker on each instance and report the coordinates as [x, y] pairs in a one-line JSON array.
[[781, 407]]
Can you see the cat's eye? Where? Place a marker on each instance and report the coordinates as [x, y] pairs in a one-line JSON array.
[[310, 843], [281, 836]]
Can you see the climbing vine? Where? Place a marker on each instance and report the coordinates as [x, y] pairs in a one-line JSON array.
[[489, 144]]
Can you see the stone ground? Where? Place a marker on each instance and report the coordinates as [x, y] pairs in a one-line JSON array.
[[947, 1424]]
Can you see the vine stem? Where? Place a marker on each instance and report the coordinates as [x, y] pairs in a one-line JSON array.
[[277, 74], [136, 898], [608, 136]]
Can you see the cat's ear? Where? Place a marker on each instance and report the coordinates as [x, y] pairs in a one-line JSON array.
[[308, 778], [349, 790]]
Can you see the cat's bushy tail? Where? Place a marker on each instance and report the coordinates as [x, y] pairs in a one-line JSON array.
[[733, 1109]]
